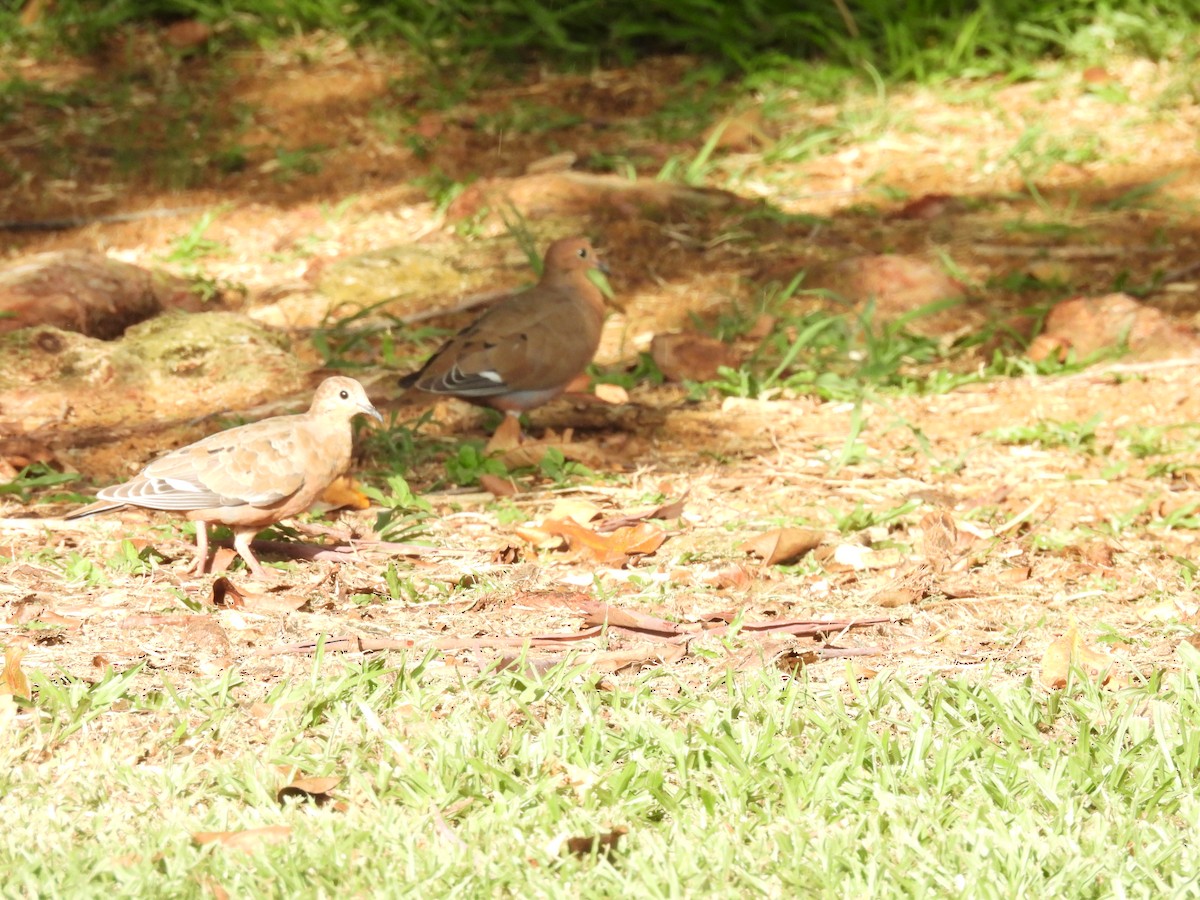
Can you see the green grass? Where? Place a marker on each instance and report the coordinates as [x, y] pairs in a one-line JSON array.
[[747, 784], [920, 39]]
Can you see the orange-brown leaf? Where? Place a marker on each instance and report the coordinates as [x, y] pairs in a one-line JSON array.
[[600, 844], [613, 548], [497, 486], [15, 682], [1069, 650], [782, 545], [345, 493], [315, 790], [226, 595]]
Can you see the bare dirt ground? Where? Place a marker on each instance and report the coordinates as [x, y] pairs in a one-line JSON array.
[[978, 552]]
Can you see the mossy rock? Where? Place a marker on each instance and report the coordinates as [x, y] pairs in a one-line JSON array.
[[60, 390]]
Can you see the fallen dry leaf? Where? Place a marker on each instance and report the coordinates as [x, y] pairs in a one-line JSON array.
[[345, 493], [315, 790], [939, 538], [248, 840], [782, 545], [226, 595], [889, 598], [506, 436], [574, 508], [15, 682], [730, 576], [222, 559], [539, 537], [50, 617], [672, 509], [619, 661], [597, 613], [1069, 650], [856, 557], [601, 844], [614, 548], [497, 486]]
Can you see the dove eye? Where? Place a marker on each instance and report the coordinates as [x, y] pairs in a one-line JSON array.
[[583, 252], [345, 395]]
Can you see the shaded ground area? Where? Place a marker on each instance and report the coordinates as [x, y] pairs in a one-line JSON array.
[[1070, 497]]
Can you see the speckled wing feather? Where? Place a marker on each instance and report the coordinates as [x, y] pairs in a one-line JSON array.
[[259, 464]]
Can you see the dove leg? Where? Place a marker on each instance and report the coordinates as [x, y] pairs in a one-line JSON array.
[[200, 563], [241, 543]]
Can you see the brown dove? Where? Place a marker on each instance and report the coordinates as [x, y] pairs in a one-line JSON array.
[[250, 476], [526, 349]]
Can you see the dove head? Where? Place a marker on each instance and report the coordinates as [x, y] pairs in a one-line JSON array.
[[344, 397], [570, 255]]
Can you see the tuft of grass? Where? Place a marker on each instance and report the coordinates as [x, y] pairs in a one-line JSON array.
[[1079, 437]]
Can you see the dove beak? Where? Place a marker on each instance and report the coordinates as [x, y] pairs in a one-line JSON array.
[[603, 267], [371, 411]]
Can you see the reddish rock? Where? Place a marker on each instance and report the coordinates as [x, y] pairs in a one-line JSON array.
[[78, 290], [1089, 325], [899, 285]]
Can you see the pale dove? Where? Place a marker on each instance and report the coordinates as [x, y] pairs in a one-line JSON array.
[[250, 476]]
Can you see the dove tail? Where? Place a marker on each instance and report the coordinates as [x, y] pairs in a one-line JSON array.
[[91, 509]]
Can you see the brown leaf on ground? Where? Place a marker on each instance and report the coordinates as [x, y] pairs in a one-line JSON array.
[[539, 537], [574, 508], [506, 437], [315, 790], [597, 613], [782, 545], [1014, 575], [497, 486], [612, 549], [507, 555], [249, 840], [939, 538], [620, 661], [601, 844], [854, 557], [226, 595], [345, 493], [730, 576], [207, 636], [1069, 650], [222, 559], [962, 586], [686, 356], [50, 617], [799, 627], [889, 598], [15, 682], [672, 509]]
